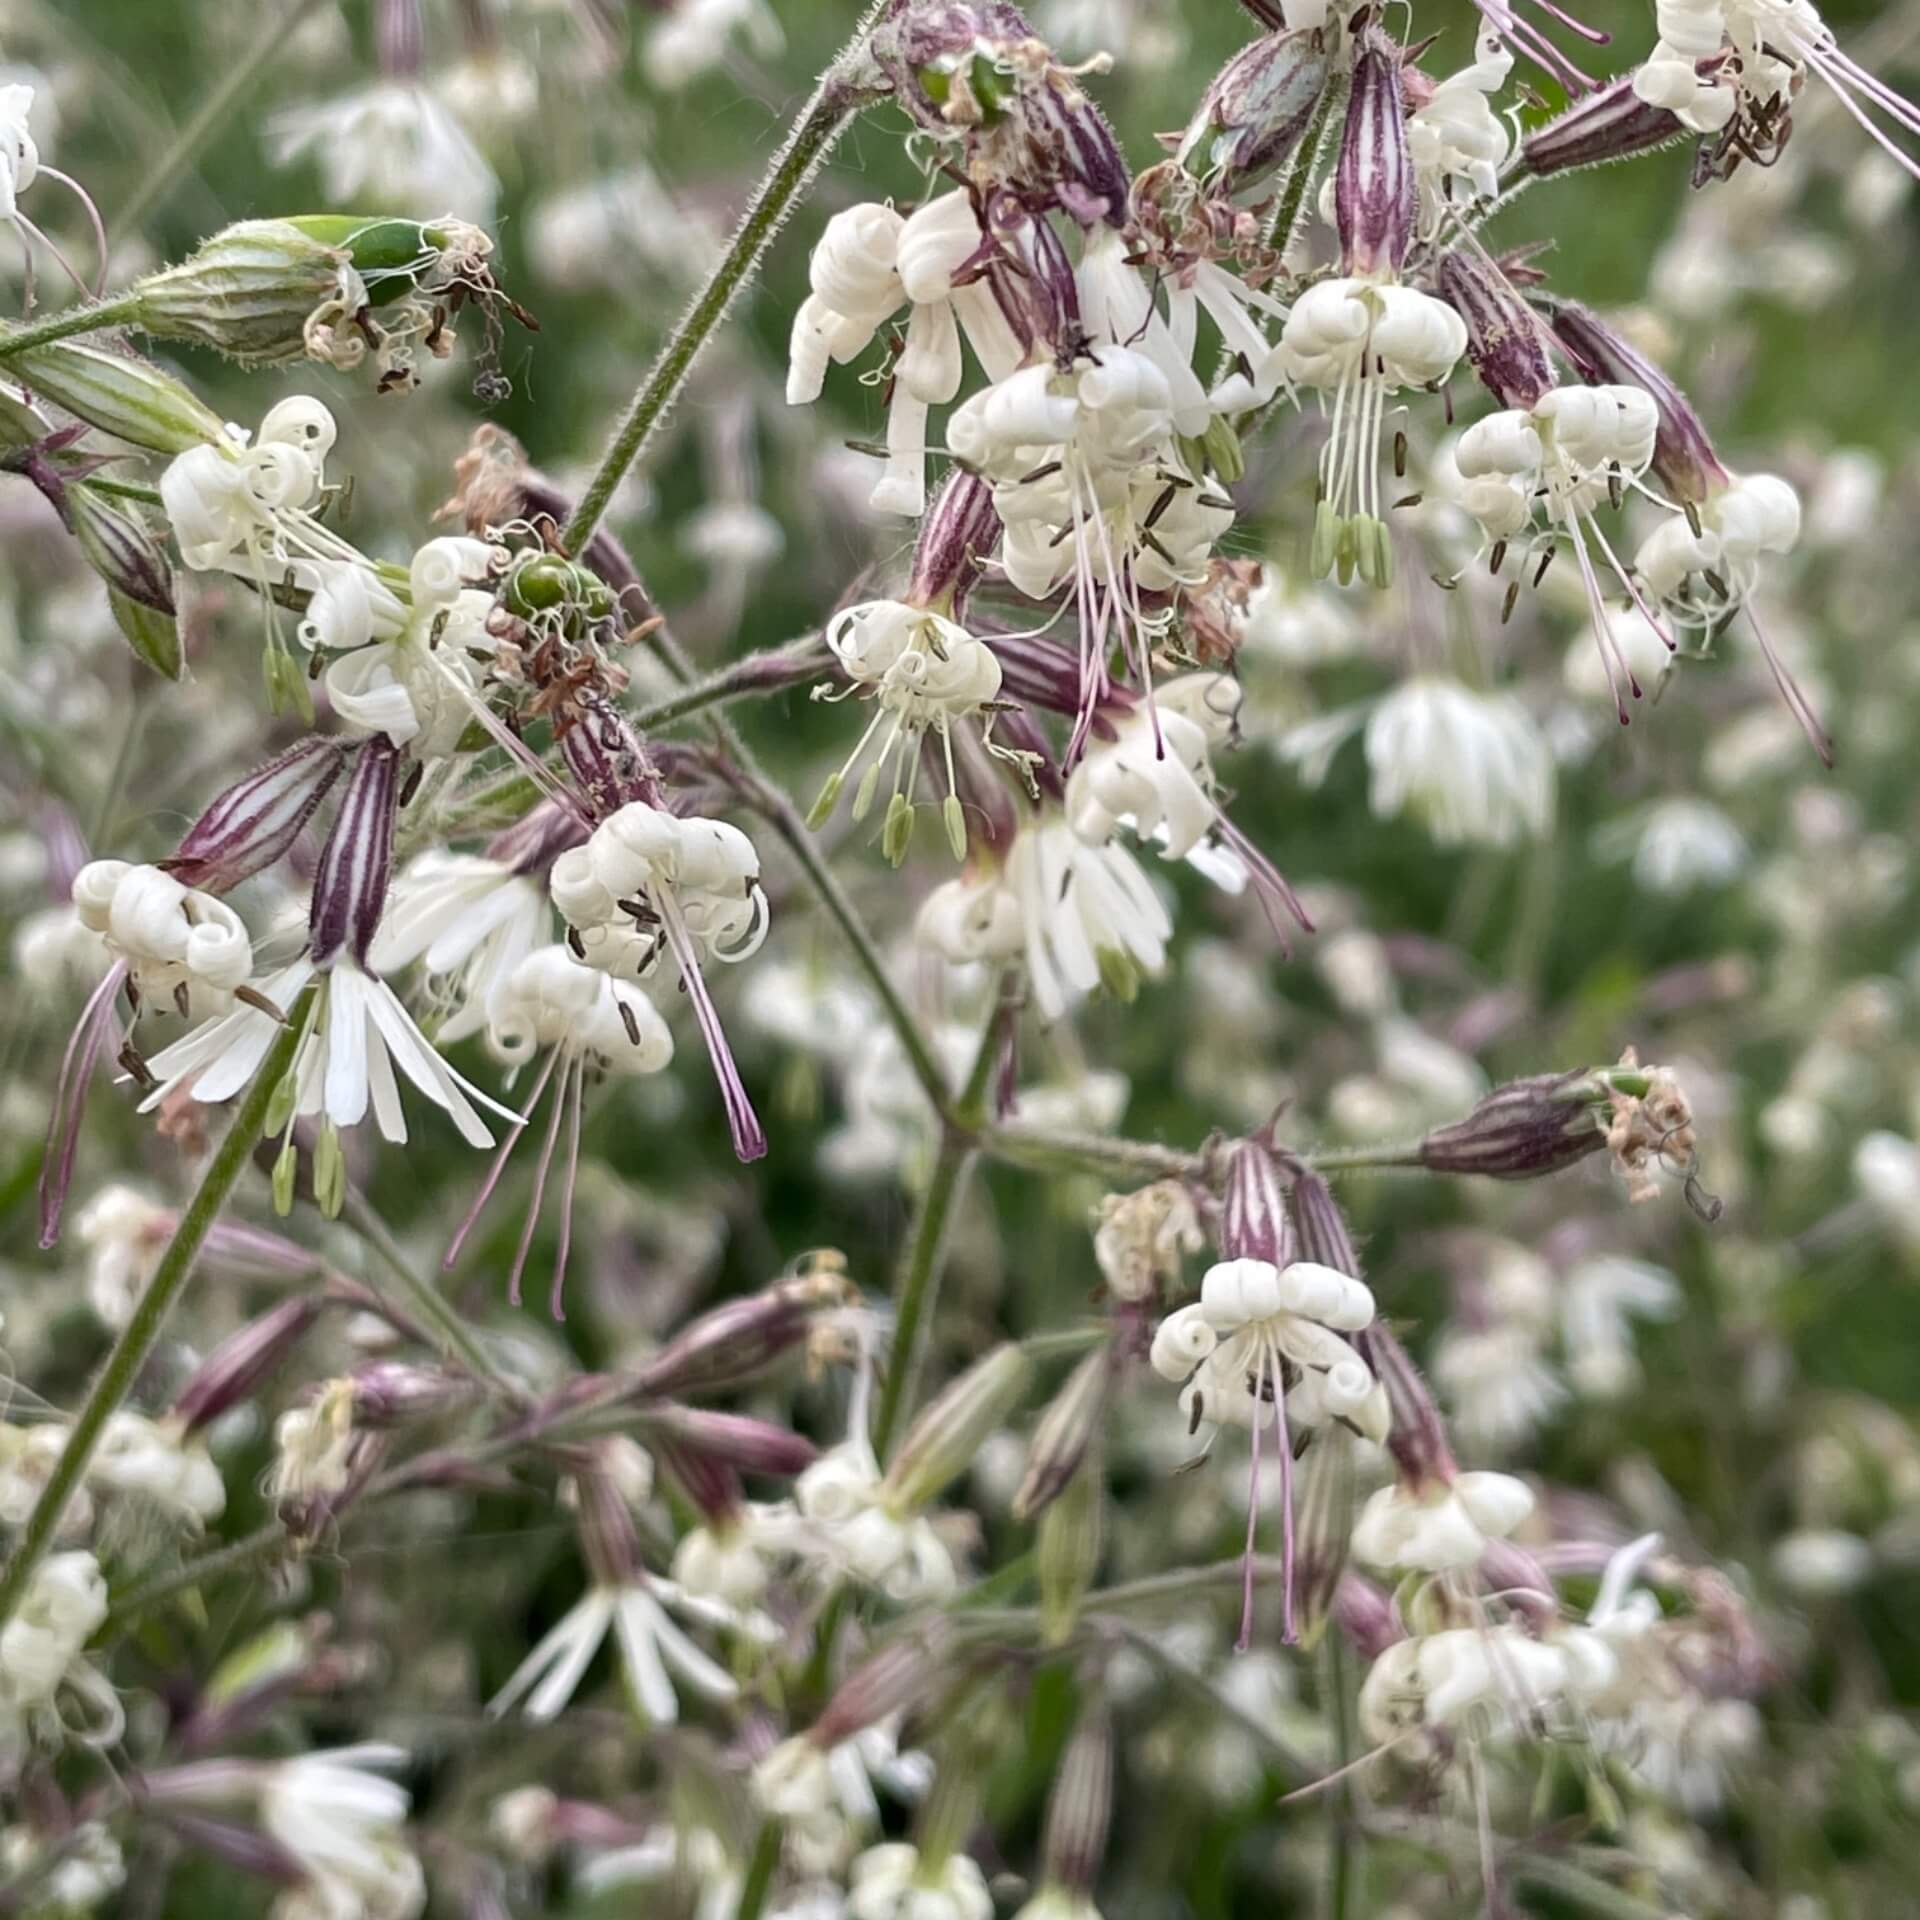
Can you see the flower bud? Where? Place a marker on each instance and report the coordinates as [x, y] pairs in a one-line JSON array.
[[154, 636], [391, 1393], [735, 1440], [1256, 111], [1254, 1224], [1322, 1227], [1503, 335], [122, 550], [1524, 1130], [608, 762], [1067, 1552], [1612, 123], [1366, 1616], [121, 394], [21, 423], [1065, 1432], [734, 1343], [1373, 181], [1323, 1526], [941, 1444], [1683, 456], [235, 1369], [1080, 1807], [257, 819], [956, 537], [609, 1543], [893, 1680], [350, 884]]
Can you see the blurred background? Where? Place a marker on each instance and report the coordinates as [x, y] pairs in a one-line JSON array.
[[1704, 891]]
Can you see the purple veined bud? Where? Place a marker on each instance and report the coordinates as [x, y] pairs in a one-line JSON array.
[[1366, 1616], [957, 538], [397, 38], [1514, 1574], [1323, 1528], [891, 1681], [1066, 1432], [1321, 1226], [257, 819], [1613, 123], [734, 1440], [153, 635], [1072, 150], [120, 548], [235, 1369], [350, 884], [1256, 110], [1417, 1437], [246, 1848], [709, 1483], [1254, 1224], [608, 762], [121, 394], [532, 844], [942, 1442], [1080, 1807], [1039, 292], [392, 1393], [1503, 332], [739, 1341], [609, 1542], [1683, 456], [1373, 181], [1523, 1130]]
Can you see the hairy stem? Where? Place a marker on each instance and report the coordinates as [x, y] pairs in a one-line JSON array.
[[835, 101], [161, 178], [772, 670], [95, 318], [142, 1331]]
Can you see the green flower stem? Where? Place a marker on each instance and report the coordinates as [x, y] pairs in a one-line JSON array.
[[138, 1338], [772, 670], [235, 82], [760, 1871], [95, 318], [1046, 1152], [822, 120]]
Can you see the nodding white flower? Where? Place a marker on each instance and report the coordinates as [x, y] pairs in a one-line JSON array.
[[248, 508], [391, 147], [155, 1461], [1363, 340], [1497, 1383], [180, 946], [1262, 1348], [1767, 45], [923, 672], [1086, 916], [826, 1794], [345, 1827], [653, 1649], [359, 1043], [866, 265], [1441, 1525], [417, 687], [892, 1882], [1600, 1297], [691, 37], [645, 873], [41, 1655], [806, 1005], [1480, 1681], [1457, 142], [732, 1559], [1090, 488], [469, 919], [19, 156], [1676, 845], [1560, 458], [589, 1025], [1470, 767], [1703, 574]]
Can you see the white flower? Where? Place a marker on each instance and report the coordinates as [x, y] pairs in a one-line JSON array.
[[61, 1610], [1362, 341], [1754, 514], [1262, 1348], [1497, 1384], [152, 1459], [867, 264], [124, 1234], [1479, 1680], [826, 1795], [1457, 140], [1599, 1296], [19, 156], [182, 947], [854, 1530], [1154, 776], [470, 920], [809, 1007], [1443, 1525], [345, 1828], [249, 508], [1817, 1563], [1471, 767], [702, 876], [692, 36], [360, 1042], [650, 1644], [1886, 1169], [553, 1000], [890, 1883], [1676, 845], [390, 147]]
